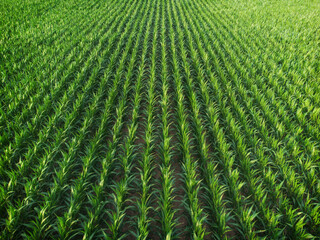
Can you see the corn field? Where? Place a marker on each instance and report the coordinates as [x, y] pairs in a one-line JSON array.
[[162, 119]]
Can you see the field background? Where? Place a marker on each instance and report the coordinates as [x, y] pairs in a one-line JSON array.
[[159, 119]]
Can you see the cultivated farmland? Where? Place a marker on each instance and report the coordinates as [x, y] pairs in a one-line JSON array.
[[163, 119]]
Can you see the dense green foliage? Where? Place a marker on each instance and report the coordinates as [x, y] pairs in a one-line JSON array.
[[178, 119]]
